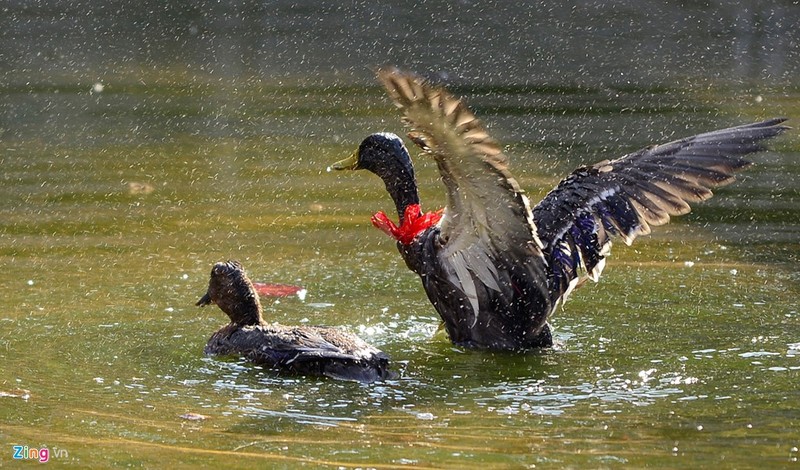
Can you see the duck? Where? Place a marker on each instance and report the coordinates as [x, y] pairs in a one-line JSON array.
[[495, 267], [302, 350]]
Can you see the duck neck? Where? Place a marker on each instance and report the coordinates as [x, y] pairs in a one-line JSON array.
[[403, 194], [245, 308], [401, 185], [250, 316]]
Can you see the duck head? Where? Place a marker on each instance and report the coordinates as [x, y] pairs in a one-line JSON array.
[[232, 291], [385, 155]]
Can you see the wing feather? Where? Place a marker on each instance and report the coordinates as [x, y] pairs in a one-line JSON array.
[[625, 197], [487, 214]]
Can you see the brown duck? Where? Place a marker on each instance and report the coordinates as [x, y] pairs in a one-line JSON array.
[[305, 350], [495, 269]]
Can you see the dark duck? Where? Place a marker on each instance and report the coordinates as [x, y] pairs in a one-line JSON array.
[[494, 268], [305, 350]]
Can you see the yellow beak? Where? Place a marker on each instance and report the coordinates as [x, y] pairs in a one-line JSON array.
[[349, 163]]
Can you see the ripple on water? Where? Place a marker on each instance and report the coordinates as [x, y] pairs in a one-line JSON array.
[[545, 398], [519, 386], [295, 415]]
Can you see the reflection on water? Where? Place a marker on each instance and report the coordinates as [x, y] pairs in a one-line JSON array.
[[139, 145]]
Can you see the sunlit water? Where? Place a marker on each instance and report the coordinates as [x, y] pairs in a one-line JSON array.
[[117, 198]]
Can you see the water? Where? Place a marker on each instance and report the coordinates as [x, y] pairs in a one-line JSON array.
[[209, 143]]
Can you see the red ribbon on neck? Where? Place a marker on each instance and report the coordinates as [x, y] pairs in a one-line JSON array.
[[414, 223]]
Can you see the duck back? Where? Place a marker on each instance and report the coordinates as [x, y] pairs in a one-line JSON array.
[[303, 350]]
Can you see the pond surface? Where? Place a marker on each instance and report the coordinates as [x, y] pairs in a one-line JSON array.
[[123, 181]]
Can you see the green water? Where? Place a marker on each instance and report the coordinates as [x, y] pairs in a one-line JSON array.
[[662, 364], [140, 142]]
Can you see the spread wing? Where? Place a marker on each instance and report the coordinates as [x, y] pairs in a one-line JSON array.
[[487, 214], [624, 197]]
